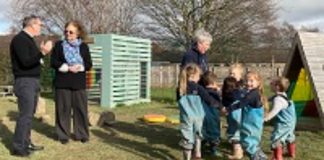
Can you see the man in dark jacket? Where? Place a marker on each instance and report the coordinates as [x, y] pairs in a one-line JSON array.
[[197, 53], [26, 66]]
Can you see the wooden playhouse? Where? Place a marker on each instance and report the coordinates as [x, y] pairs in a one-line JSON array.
[[305, 70]]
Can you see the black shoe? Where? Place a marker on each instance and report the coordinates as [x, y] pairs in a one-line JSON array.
[[64, 141], [33, 147], [84, 140], [20, 153]]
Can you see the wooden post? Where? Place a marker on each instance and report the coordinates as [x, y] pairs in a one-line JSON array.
[[278, 71], [232, 59], [170, 78], [272, 65], [177, 74], [161, 77]]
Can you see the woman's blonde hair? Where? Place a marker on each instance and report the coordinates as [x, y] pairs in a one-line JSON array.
[[189, 70], [257, 77]]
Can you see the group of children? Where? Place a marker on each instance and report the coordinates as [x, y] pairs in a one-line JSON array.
[[201, 102]]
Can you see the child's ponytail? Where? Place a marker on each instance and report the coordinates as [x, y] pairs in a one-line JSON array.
[[189, 70], [183, 82], [264, 98]]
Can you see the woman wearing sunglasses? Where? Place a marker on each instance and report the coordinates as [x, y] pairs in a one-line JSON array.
[[71, 59]]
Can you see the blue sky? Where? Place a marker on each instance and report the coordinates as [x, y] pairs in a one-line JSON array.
[[4, 20], [297, 12]]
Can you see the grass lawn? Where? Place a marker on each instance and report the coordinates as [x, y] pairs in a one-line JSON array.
[[129, 138]]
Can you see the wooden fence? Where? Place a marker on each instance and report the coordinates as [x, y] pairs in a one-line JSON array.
[[166, 74]]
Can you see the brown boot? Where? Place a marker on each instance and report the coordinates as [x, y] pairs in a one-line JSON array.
[[292, 150], [277, 153], [237, 152]]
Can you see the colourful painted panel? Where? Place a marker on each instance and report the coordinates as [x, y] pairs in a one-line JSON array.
[[299, 106], [93, 77], [302, 90], [89, 79], [301, 93], [291, 89], [310, 109]]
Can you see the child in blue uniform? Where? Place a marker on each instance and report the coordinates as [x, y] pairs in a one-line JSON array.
[[190, 96], [232, 92], [283, 112], [253, 106], [211, 124]]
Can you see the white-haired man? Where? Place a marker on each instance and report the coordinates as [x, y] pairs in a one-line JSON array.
[[197, 53]]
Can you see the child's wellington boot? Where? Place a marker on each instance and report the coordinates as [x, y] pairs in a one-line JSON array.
[[277, 153], [292, 150]]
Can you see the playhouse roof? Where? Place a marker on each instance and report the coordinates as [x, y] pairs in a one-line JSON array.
[[308, 52]]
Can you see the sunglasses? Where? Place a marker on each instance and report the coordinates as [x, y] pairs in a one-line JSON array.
[[68, 32]]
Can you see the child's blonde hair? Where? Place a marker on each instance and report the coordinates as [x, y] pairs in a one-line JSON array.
[[189, 70], [237, 66], [282, 82], [255, 75]]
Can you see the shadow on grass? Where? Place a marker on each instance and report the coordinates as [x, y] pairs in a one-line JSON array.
[[5, 135], [224, 149], [12, 115], [155, 135], [44, 129], [172, 107], [40, 127]]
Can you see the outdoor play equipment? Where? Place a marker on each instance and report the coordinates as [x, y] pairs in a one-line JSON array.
[[154, 118], [305, 70]]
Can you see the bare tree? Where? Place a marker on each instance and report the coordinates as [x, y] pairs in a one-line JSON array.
[[276, 39], [102, 16], [309, 29], [232, 23], [235, 25]]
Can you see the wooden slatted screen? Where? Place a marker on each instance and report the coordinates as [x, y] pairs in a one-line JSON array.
[[125, 70], [94, 75]]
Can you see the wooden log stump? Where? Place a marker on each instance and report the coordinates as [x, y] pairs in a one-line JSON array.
[[41, 111], [105, 118]]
